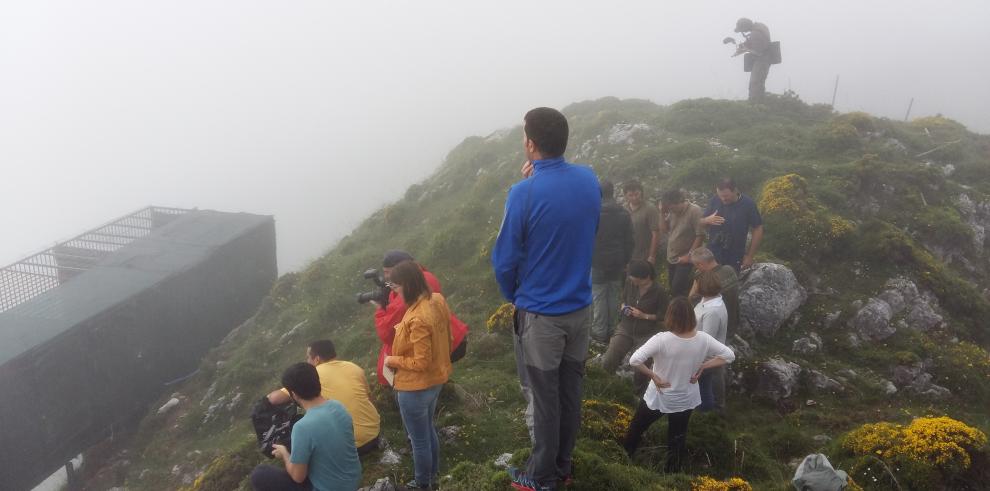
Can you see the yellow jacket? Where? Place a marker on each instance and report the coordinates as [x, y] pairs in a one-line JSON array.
[[421, 348]]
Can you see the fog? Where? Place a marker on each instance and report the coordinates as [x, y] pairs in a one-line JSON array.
[[320, 112]]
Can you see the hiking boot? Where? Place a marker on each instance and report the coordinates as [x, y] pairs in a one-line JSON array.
[[523, 482], [416, 485]]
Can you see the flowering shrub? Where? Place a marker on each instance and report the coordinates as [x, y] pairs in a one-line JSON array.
[[604, 420], [705, 483], [801, 223], [931, 449], [501, 320]]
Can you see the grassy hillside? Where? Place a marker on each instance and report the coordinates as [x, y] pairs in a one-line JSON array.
[[849, 200]]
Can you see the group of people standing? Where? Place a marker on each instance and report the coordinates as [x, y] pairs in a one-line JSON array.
[[584, 268]]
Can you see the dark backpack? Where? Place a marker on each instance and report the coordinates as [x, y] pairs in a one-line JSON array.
[[273, 424]]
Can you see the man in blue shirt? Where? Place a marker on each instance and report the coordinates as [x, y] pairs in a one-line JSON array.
[[730, 217], [542, 261], [323, 456]]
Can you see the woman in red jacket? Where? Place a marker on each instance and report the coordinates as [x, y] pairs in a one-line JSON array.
[[386, 318]]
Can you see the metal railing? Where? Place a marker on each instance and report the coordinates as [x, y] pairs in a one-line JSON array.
[[46, 270]]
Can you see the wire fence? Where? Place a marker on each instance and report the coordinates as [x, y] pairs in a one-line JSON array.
[[46, 270]]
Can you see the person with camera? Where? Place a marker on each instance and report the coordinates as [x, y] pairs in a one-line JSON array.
[[390, 308], [642, 301], [344, 382], [323, 456], [421, 359], [730, 217]]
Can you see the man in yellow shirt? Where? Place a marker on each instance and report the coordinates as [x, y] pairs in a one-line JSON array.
[[345, 382]]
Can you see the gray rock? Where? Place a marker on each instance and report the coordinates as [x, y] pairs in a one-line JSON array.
[[808, 345], [769, 295], [872, 322], [741, 348], [888, 387], [821, 439], [848, 373], [383, 484], [777, 378], [168, 406], [502, 461], [389, 457], [449, 433], [830, 319], [899, 293], [915, 380], [922, 316], [823, 383]]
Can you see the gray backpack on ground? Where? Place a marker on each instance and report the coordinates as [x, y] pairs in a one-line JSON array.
[[816, 474]]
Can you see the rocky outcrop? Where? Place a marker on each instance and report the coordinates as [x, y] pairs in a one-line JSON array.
[[873, 321], [821, 383], [769, 295], [812, 343], [777, 378], [914, 379], [977, 217]]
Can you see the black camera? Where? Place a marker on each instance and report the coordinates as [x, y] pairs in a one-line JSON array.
[[379, 293]]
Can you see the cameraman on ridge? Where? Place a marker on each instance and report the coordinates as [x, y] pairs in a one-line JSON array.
[[386, 318]]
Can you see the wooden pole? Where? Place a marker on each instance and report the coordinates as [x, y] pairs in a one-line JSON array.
[[908, 113], [835, 91]]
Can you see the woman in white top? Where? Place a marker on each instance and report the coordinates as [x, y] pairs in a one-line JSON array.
[[679, 358], [713, 319]]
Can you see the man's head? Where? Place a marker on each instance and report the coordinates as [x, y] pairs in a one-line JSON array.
[[674, 200], [633, 192], [320, 352], [608, 190], [726, 190], [544, 133], [302, 382], [392, 259], [703, 259], [744, 25]]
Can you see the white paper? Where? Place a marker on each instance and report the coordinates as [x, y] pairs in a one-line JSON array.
[[389, 375]]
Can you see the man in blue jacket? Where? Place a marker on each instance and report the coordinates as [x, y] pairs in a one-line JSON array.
[[542, 260]]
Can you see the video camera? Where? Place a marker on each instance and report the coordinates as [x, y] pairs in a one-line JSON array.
[[379, 293]]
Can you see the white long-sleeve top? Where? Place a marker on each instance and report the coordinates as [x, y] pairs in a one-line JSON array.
[[676, 359], [712, 317]]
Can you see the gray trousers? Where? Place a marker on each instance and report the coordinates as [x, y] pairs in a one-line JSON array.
[[758, 80], [605, 301], [550, 354]]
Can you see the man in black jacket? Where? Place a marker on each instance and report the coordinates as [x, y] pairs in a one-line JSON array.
[[613, 249]]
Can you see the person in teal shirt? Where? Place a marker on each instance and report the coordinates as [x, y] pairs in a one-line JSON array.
[[323, 456]]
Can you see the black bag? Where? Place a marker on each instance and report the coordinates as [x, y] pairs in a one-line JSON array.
[[273, 424]]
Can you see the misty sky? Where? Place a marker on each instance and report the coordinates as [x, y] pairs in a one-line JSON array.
[[319, 112]]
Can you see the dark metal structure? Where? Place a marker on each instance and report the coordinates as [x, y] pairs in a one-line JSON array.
[[92, 328]]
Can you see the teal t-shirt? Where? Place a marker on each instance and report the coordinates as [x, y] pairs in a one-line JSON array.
[[324, 440]]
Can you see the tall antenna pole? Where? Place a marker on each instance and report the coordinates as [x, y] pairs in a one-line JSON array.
[[908, 113], [835, 91]]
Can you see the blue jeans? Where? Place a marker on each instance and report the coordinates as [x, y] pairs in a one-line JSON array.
[[418, 409]]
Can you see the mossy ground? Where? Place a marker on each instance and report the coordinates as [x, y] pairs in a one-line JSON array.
[[861, 170]]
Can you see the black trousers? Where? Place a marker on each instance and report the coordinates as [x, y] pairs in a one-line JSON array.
[[680, 279], [271, 478], [677, 425]]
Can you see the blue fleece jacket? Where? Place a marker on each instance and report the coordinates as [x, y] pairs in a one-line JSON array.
[[542, 256]]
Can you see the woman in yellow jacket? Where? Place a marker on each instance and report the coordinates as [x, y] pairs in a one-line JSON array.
[[421, 359]]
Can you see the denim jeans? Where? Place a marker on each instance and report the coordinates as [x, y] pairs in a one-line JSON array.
[[418, 409], [712, 387], [272, 478], [605, 302]]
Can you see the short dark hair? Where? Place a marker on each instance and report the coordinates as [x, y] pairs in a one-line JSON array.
[[631, 186], [323, 348], [409, 275], [680, 318], [672, 197], [608, 189], [394, 257], [548, 130], [638, 268], [726, 183], [302, 380], [709, 284]]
